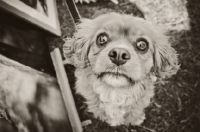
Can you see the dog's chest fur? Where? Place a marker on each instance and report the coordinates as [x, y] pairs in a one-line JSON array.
[[116, 106]]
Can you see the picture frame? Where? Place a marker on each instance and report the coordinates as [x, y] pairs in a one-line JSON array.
[[38, 13]]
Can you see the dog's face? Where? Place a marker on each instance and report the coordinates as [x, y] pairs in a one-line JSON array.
[[121, 53], [122, 50]]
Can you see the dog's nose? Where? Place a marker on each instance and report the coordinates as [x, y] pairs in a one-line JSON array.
[[119, 56]]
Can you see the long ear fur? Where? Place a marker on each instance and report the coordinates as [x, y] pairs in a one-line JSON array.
[[165, 58], [83, 40], [80, 44]]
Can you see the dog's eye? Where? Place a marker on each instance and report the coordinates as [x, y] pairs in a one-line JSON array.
[[102, 39], [142, 45]]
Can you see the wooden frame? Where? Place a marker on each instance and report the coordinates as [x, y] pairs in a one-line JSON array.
[[44, 19], [66, 91]]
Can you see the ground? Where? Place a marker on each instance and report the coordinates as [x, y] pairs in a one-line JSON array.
[[176, 105]]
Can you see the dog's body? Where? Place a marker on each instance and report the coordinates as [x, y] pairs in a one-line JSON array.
[[118, 59]]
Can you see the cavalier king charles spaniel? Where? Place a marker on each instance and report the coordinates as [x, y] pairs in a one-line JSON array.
[[118, 59]]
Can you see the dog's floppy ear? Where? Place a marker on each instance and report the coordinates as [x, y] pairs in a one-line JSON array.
[[80, 43], [83, 40], [165, 58]]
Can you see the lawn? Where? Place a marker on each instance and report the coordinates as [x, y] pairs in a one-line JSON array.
[[176, 104]]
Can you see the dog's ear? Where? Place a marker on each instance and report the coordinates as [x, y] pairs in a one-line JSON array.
[[76, 48], [83, 40], [165, 58]]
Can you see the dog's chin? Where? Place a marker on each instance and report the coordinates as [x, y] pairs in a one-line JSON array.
[[116, 79]]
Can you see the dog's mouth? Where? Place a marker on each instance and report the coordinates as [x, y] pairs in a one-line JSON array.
[[115, 78]]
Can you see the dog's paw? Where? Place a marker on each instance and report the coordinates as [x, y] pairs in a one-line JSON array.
[[135, 120], [116, 121], [140, 120]]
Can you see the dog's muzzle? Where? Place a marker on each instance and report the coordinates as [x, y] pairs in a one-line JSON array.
[[116, 76]]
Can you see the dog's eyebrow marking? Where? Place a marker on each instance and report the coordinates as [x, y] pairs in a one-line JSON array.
[[126, 31]]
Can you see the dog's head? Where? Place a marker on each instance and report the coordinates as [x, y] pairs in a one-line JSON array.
[[122, 50]]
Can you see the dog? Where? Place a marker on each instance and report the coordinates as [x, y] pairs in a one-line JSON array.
[[118, 59]]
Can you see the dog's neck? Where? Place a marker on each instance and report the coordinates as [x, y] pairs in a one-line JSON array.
[[113, 104]]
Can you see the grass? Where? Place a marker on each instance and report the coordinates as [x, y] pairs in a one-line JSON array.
[[176, 105]]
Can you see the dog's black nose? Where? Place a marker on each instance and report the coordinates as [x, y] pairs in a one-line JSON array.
[[119, 56]]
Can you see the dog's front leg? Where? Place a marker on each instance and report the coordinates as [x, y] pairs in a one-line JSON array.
[[114, 115], [118, 120]]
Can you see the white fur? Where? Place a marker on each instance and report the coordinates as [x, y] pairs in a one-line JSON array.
[[114, 105]]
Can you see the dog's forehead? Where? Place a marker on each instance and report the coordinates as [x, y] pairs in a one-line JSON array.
[[123, 24]]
